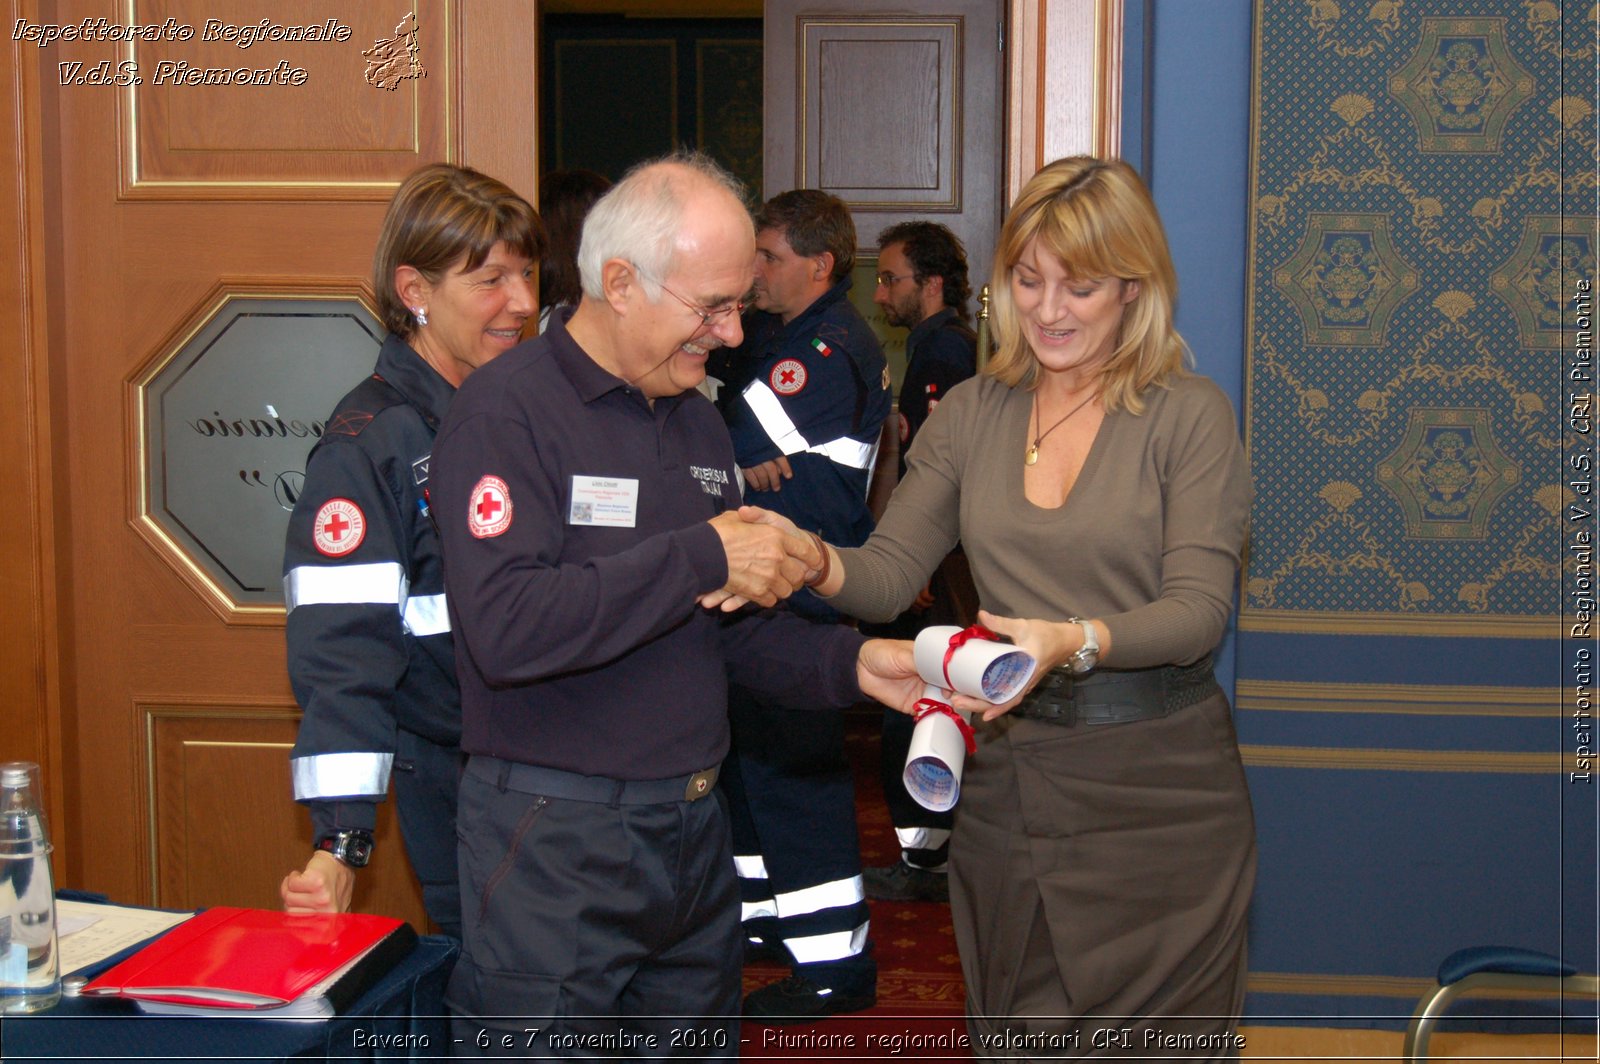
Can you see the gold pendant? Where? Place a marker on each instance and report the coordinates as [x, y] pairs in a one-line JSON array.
[[1032, 456]]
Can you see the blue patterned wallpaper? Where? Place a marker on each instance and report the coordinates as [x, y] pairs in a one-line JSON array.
[[1422, 203]]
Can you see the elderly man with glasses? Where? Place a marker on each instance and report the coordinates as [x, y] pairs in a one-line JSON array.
[[586, 500]]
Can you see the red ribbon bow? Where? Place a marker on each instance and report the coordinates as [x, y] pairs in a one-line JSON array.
[[959, 640], [929, 706]]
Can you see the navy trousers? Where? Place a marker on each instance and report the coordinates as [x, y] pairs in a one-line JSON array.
[[594, 929], [427, 779], [792, 803]]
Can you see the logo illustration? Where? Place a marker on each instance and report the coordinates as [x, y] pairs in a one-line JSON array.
[[389, 62], [490, 511], [788, 377], [338, 528]]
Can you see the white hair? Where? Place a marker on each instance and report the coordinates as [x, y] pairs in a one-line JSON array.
[[639, 219]]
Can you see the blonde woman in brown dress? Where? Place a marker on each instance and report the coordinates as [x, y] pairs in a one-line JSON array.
[[1104, 848]]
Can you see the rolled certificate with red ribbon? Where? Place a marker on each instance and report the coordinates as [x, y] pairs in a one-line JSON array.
[[939, 747], [973, 662]]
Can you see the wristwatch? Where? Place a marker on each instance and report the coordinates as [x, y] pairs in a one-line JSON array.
[[353, 847], [1088, 656]]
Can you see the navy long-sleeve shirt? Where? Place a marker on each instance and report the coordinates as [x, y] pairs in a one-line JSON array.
[[573, 515]]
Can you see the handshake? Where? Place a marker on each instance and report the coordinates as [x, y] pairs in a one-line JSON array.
[[769, 558]]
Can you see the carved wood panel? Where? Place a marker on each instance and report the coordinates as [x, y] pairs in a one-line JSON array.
[[897, 114], [242, 100], [215, 842]]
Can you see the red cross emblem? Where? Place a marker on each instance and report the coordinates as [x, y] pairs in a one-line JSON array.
[[490, 510], [788, 377], [338, 528]]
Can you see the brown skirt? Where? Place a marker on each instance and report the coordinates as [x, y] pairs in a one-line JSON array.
[[1100, 879]]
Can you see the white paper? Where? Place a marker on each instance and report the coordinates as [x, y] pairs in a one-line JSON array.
[[937, 755], [90, 933], [981, 668]]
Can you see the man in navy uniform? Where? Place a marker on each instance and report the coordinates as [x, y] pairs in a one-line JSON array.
[[805, 432], [922, 286], [587, 505]]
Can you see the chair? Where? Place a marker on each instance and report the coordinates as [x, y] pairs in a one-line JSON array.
[[1491, 968]]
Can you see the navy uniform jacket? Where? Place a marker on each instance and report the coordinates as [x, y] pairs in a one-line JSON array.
[[941, 352], [368, 631], [817, 391], [574, 517]]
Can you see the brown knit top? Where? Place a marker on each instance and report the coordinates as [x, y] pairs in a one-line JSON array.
[[1148, 542]]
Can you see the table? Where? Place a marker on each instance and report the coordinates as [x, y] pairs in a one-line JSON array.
[[401, 1018]]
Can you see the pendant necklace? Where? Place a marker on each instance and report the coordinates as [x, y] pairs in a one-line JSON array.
[[1032, 455]]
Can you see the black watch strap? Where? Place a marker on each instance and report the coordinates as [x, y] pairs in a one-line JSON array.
[[353, 846]]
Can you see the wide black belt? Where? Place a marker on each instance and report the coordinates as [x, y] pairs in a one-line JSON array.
[[572, 786], [1117, 696]]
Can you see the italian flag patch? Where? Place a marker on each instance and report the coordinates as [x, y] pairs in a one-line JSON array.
[[824, 348]]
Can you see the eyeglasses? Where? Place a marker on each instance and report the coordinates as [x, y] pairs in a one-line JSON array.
[[888, 280], [708, 318]]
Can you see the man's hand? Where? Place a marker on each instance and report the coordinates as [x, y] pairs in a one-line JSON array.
[[766, 562], [767, 475], [887, 671], [325, 886]]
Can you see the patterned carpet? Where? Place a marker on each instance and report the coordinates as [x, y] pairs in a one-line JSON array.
[[920, 993]]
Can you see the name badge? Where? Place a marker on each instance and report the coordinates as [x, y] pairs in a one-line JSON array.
[[610, 501]]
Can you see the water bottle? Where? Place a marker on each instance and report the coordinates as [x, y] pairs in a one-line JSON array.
[[30, 967]]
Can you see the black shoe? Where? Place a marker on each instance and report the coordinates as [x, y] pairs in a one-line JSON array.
[[903, 882], [797, 999]]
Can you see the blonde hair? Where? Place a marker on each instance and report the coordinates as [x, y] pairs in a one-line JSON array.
[[1097, 217]]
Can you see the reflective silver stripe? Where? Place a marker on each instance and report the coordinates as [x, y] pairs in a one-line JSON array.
[[750, 867], [822, 896], [362, 775], [426, 615], [848, 452], [922, 838], [832, 947], [750, 910], [769, 411], [781, 430], [309, 585]]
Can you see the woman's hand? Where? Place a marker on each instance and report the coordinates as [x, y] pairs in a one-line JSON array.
[[1052, 643]]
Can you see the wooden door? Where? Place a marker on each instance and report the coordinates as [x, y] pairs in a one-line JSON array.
[[899, 113], [160, 707]]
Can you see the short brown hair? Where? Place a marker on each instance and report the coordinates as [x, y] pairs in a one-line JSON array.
[[1097, 217], [813, 221], [440, 215]]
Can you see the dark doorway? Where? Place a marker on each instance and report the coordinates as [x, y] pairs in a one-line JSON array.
[[618, 88]]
